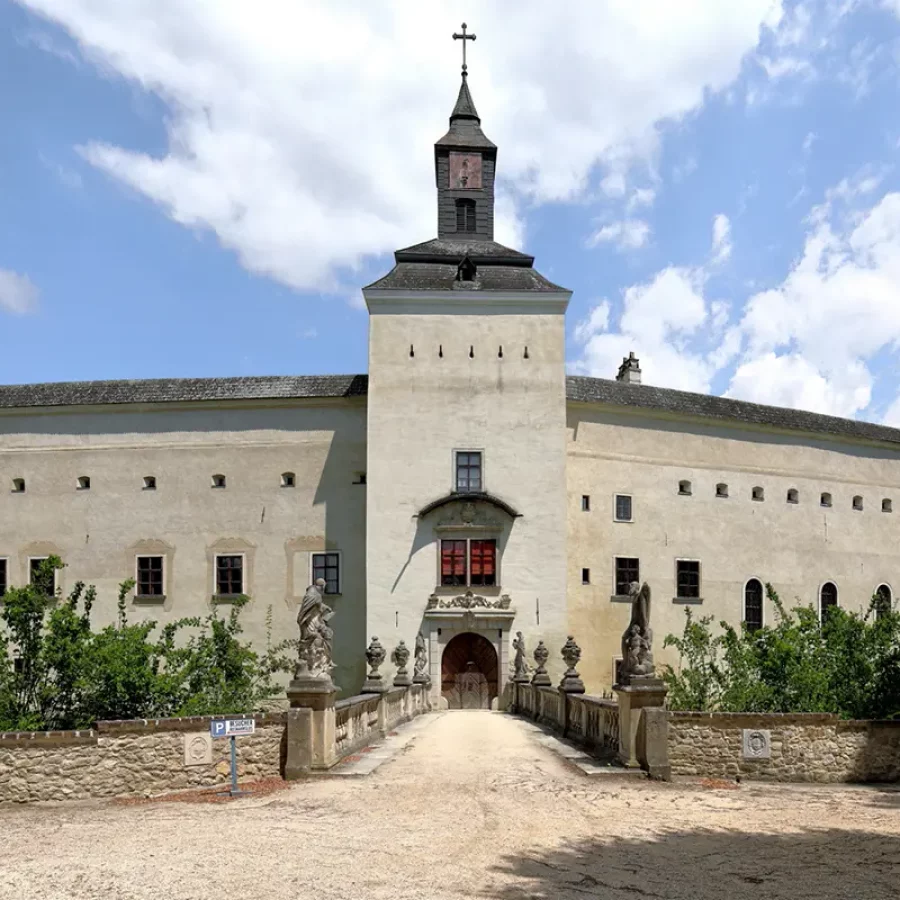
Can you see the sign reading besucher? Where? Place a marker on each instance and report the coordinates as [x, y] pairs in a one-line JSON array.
[[232, 727]]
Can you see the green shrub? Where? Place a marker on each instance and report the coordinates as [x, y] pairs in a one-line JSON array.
[[56, 672], [849, 664]]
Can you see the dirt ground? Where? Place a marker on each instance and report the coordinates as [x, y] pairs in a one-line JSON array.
[[473, 808]]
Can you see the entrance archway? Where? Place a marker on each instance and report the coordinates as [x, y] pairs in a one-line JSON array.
[[469, 672]]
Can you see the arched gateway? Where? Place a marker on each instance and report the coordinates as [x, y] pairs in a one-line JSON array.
[[469, 672]]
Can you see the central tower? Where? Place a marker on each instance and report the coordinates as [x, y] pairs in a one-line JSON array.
[[466, 488]]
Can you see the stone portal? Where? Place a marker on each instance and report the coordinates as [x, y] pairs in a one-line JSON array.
[[469, 672]]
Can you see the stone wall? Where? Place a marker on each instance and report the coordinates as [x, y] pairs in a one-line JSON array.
[[803, 747], [130, 758]]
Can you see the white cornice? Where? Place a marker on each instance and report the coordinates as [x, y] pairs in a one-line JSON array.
[[452, 302]]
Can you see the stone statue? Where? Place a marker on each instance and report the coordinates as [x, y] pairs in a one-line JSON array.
[[316, 636], [520, 664], [420, 666], [637, 641]]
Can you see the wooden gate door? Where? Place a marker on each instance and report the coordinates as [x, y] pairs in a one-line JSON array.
[[469, 672]]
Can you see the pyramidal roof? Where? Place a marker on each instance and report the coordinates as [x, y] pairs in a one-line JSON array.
[[465, 126]]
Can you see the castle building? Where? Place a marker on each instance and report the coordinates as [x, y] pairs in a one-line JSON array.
[[465, 490]]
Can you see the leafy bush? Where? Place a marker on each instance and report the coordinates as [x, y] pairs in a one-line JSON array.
[[56, 672], [849, 664]]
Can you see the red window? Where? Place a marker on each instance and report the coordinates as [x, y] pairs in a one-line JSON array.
[[482, 555], [453, 562]]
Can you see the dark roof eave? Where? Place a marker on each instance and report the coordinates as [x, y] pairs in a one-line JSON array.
[[471, 496], [584, 389]]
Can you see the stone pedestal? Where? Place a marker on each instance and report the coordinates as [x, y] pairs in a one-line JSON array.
[[311, 726], [402, 679], [641, 746], [375, 684]]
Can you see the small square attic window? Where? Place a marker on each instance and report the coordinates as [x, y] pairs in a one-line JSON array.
[[149, 482], [18, 485], [218, 481], [858, 502], [84, 482], [684, 488]]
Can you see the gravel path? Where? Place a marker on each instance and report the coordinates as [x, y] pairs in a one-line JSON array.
[[473, 808]]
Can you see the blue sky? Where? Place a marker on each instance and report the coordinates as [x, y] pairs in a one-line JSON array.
[[198, 189]]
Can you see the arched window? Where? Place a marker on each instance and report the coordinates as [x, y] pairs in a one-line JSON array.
[[753, 604], [684, 488], [758, 493], [465, 215], [858, 502], [793, 495], [721, 490], [883, 600], [828, 598], [218, 481], [825, 500], [84, 482]]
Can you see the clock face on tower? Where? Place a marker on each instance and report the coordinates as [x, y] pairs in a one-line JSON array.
[[465, 171]]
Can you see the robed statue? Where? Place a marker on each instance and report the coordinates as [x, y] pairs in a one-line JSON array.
[[316, 637], [420, 666], [520, 666], [637, 641]]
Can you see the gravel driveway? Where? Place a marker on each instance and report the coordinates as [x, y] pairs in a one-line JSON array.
[[472, 808]]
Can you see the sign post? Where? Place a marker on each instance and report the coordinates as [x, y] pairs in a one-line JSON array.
[[232, 728]]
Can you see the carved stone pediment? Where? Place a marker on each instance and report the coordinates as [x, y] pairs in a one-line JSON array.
[[468, 600], [468, 515]]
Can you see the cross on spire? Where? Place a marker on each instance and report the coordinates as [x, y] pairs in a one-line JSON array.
[[464, 37]]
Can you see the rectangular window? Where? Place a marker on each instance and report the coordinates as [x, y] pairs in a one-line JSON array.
[[453, 562], [149, 576], [468, 471], [45, 581], [229, 575], [585, 503], [623, 508], [328, 567], [628, 570], [482, 563], [585, 576], [687, 579], [4, 576]]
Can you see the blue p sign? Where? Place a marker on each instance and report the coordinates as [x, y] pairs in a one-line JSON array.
[[217, 727]]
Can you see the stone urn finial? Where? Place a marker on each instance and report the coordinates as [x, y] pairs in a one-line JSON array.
[[400, 657], [571, 654], [541, 655], [375, 656]]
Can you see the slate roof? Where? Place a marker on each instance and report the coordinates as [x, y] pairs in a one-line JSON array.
[[184, 390], [479, 251], [442, 277], [465, 126], [643, 396], [579, 389]]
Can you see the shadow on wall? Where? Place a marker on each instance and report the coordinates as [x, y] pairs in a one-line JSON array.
[[344, 497], [832, 864]]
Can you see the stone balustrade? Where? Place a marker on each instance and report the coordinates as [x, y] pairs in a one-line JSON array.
[[365, 718], [585, 719]]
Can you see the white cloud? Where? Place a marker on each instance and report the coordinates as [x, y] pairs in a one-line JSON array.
[[808, 142], [658, 321], [596, 322], [629, 234], [306, 155], [809, 339], [721, 239], [18, 294], [641, 197]]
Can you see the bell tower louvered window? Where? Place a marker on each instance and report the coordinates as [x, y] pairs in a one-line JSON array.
[[465, 216]]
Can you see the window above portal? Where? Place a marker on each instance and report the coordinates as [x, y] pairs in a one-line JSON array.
[[468, 562], [469, 471]]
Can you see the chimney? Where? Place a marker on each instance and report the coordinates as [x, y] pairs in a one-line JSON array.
[[630, 370]]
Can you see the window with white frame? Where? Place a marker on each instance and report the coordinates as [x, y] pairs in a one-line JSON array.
[[687, 579], [623, 511], [229, 574], [469, 562], [150, 576], [469, 475], [327, 566]]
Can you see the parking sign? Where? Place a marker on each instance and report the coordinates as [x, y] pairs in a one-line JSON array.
[[231, 727]]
